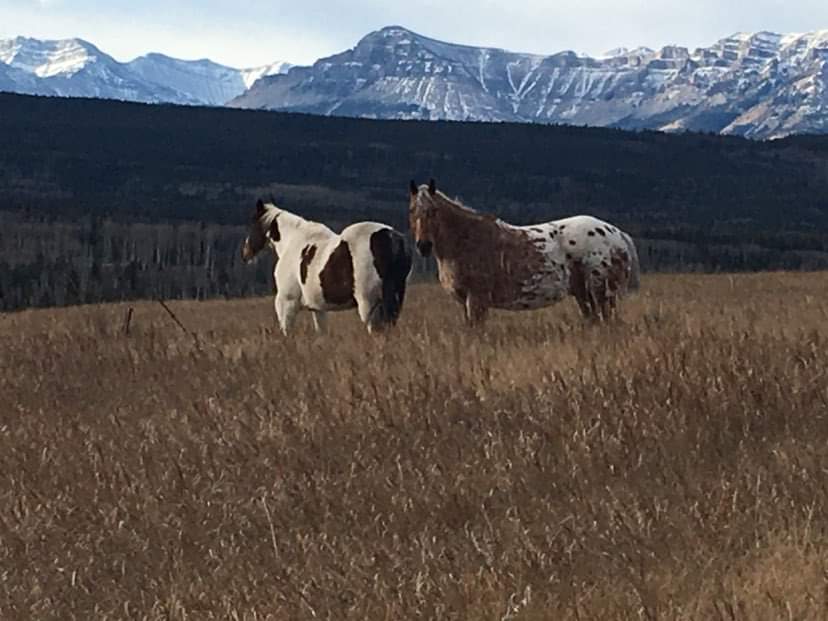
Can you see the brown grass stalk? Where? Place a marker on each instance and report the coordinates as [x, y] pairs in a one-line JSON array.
[[671, 466]]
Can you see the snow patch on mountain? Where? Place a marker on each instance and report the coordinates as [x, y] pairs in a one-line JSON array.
[[249, 76], [47, 59], [762, 85], [76, 68]]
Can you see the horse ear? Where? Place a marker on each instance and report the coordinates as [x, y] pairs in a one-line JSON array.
[[259, 207], [432, 187], [413, 188]]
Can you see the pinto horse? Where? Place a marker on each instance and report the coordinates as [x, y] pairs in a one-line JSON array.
[[487, 263], [365, 267]]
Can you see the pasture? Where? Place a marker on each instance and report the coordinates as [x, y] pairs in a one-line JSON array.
[[672, 466]]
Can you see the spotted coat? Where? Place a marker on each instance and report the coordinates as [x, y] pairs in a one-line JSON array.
[[488, 263], [366, 267]]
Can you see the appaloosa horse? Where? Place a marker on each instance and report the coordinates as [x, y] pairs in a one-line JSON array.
[[365, 267], [487, 263]]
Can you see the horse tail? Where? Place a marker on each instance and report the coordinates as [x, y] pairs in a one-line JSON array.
[[634, 283], [392, 260]]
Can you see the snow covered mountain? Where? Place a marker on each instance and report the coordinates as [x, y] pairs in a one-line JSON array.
[[203, 80], [761, 85], [76, 68]]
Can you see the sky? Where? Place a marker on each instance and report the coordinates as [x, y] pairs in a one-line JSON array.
[[256, 32]]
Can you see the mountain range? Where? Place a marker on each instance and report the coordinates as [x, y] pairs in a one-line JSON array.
[[758, 85], [76, 68]]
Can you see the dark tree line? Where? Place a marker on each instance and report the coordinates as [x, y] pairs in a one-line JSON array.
[[48, 263], [108, 200]]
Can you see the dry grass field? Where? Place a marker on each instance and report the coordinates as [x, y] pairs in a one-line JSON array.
[[673, 466]]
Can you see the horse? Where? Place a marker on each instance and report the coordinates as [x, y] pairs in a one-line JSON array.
[[365, 267], [486, 263]]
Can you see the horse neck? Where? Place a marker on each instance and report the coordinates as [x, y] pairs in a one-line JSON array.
[[454, 221], [293, 228]]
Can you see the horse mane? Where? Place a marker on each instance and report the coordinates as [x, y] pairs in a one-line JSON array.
[[286, 218], [456, 205], [272, 211]]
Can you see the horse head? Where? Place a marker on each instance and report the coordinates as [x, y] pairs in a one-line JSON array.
[[421, 215], [259, 232]]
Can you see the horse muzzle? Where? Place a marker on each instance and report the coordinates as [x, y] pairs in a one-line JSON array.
[[424, 247], [246, 253]]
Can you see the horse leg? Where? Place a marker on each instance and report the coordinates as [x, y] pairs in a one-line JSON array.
[[583, 305], [286, 310], [606, 308], [611, 305], [584, 300], [602, 300], [319, 321], [369, 307], [579, 288], [475, 311], [594, 307], [598, 296]]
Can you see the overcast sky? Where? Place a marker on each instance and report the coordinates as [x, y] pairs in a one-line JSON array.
[[254, 32]]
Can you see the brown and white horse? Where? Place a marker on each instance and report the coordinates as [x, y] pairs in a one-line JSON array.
[[487, 263], [365, 267]]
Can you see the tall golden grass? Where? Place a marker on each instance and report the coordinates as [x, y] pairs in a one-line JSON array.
[[672, 466]]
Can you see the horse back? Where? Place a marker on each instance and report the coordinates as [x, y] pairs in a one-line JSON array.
[[380, 252], [324, 269], [366, 260], [502, 266]]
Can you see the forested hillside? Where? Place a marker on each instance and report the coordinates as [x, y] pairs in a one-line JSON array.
[[110, 200]]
